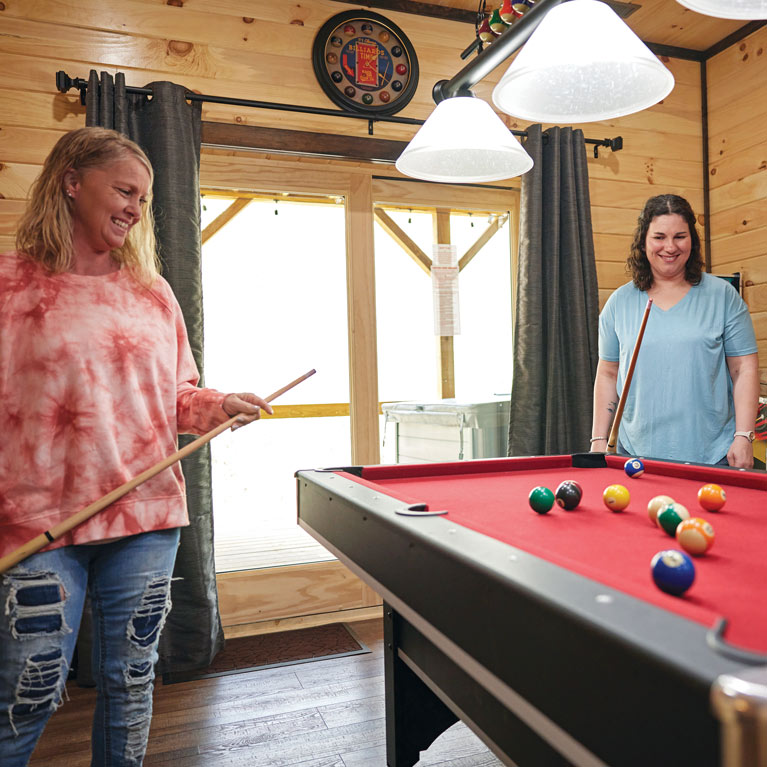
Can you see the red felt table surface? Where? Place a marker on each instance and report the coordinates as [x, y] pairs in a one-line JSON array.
[[613, 548]]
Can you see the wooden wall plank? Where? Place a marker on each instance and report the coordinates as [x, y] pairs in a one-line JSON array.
[[747, 245], [612, 247], [643, 169], [26, 144], [744, 218], [756, 297], [739, 192], [16, 179], [736, 166], [749, 135], [738, 172], [621, 194], [10, 211], [732, 76]]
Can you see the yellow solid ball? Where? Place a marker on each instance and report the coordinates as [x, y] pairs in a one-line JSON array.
[[616, 497]]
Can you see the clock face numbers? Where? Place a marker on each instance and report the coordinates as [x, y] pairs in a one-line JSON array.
[[365, 63]]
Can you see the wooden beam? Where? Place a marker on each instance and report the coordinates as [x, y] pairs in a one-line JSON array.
[[224, 218], [395, 232], [361, 308], [482, 240], [419, 8], [230, 135], [445, 350]]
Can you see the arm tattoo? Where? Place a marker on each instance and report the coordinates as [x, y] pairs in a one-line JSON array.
[[612, 406]]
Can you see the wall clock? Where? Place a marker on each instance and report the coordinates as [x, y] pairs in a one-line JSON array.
[[365, 63]]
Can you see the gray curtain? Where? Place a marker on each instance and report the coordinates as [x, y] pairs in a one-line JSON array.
[[557, 306], [168, 129]]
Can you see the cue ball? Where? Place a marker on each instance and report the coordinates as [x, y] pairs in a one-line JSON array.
[[672, 571], [656, 504], [695, 536], [670, 516], [616, 497], [568, 494], [541, 499], [711, 497], [633, 467]]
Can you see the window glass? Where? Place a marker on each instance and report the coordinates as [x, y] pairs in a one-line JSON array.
[[274, 299]]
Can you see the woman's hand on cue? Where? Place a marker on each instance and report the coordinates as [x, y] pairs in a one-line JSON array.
[[741, 454], [247, 404]]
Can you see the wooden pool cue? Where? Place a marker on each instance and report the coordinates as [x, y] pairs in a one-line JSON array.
[[612, 440], [49, 536]]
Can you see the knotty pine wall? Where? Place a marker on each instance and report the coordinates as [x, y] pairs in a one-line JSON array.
[[261, 49], [737, 102]]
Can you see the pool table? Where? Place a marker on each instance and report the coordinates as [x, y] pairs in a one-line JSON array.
[[545, 632]]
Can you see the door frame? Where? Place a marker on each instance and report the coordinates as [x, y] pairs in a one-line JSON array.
[[271, 599]]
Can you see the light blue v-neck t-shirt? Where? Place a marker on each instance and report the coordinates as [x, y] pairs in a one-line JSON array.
[[680, 403]]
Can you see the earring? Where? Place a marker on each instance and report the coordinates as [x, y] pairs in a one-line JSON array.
[[69, 194]]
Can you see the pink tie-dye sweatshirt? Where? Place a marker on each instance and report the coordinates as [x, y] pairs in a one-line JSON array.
[[96, 381]]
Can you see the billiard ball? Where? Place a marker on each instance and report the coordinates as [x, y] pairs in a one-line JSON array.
[[672, 571], [568, 494], [711, 497], [541, 499], [670, 516], [616, 497], [633, 467], [695, 535], [656, 504]]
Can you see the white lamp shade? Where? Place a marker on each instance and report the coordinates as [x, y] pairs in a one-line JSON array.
[[728, 9], [463, 141], [582, 64]]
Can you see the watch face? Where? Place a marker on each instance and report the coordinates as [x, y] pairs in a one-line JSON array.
[[365, 63]]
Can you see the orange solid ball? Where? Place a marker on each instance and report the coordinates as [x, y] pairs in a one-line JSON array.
[[695, 536], [711, 497]]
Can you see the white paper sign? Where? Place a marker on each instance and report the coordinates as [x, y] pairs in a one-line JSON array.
[[444, 284]]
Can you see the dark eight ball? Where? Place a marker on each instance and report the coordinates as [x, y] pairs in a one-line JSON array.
[[568, 495]]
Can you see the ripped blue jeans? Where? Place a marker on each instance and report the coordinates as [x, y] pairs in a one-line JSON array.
[[41, 604]]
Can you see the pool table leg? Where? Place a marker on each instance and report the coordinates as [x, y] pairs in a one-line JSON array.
[[415, 716]]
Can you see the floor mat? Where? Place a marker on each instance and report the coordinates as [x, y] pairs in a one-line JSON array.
[[282, 648]]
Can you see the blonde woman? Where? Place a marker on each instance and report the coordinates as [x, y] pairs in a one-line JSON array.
[[96, 381]]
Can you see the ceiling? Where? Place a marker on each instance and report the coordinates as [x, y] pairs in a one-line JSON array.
[[662, 22]]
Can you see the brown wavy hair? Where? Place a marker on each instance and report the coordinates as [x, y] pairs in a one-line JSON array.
[[44, 233], [638, 265]]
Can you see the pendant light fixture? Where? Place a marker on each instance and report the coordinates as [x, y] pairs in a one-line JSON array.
[[582, 64], [464, 141], [729, 9]]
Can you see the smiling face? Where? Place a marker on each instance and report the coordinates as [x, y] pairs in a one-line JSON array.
[[668, 246], [107, 202]]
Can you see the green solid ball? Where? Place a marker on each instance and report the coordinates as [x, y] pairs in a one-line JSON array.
[[541, 499], [669, 519]]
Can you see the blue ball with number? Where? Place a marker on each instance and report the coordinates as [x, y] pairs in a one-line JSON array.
[[633, 467], [672, 571]]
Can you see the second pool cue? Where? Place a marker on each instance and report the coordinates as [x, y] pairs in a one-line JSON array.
[[612, 441], [42, 540]]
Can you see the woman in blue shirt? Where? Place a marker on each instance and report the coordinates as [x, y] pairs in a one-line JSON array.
[[695, 389]]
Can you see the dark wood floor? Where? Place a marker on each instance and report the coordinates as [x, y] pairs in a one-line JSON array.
[[321, 714]]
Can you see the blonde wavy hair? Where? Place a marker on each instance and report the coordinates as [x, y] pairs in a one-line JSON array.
[[44, 233]]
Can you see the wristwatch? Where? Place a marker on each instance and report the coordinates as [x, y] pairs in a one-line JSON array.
[[749, 435]]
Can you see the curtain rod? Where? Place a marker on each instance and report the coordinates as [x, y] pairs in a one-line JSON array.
[[65, 83]]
